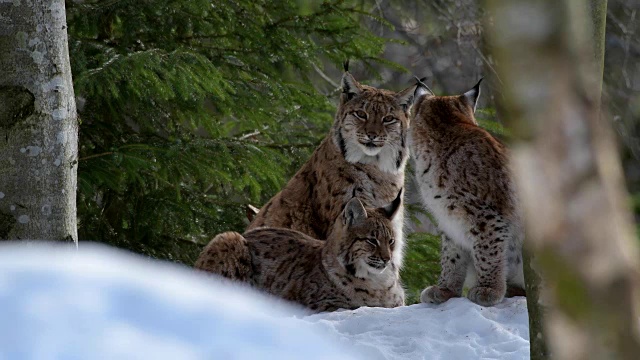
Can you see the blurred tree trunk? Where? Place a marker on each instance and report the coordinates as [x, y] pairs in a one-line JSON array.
[[569, 174], [38, 125], [539, 349], [598, 12]]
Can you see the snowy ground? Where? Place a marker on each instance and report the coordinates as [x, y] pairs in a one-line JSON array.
[[98, 303], [457, 329]]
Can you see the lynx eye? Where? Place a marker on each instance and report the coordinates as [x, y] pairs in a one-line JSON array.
[[392, 241], [388, 120], [360, 114], [372, 241]]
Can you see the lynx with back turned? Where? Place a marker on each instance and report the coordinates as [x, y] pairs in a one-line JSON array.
[[465, 183], [352, 268], [364, 154]]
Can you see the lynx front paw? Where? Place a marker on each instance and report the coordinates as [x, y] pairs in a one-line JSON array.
[[436, 295], [485, 296]]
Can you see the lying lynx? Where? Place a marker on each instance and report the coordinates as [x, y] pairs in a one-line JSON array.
[[366, 152], [352, 268], [465, 183]]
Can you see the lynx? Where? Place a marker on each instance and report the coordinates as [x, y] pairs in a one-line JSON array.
[[352, 268], [465, 183], [365, 152]]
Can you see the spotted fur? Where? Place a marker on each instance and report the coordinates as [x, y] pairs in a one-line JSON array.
[[365, 155], [352, 268], [465, 183]]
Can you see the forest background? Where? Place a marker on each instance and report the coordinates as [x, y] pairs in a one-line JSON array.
[[190, 109]]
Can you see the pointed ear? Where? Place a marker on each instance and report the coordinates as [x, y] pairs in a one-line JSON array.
[[421, 90], [473, 95], [251, 212], [407, 97], [350, 87], [390, 210], [353, 212]]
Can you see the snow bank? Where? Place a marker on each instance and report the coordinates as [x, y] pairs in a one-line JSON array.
[[457, 329], [99, 303]]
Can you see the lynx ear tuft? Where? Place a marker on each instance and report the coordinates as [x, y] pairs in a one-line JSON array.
[[350, 87], [345, 65], [473, 95], [421, 89], [354, 212], [391, 209]]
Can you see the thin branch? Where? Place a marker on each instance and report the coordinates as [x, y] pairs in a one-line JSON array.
[[96, 155], [249, 135], [486, 61], [324, 76], [290, 146]]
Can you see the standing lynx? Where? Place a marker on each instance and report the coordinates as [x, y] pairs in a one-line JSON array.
[[352, 268], [465, 183], [364, 155]]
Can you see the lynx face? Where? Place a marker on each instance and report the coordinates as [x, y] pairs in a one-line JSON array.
[[371, 125], [368, 242], [371, 243]]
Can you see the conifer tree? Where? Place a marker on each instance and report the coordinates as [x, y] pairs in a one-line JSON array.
[[191, 109]]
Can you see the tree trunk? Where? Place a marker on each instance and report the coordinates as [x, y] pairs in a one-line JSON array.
[[538, 348], [38, 124], [569, 174], [598, 12]]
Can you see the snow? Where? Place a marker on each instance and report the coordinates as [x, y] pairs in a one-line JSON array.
[[101, 303], [457, 329]]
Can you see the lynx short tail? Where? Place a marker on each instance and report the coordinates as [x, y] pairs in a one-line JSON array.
[[227, 255]]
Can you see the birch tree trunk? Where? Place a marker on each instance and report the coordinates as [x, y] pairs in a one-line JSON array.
[[38, 124], [569, 174]]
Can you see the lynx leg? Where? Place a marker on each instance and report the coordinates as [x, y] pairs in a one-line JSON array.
[[227, 255], [489, 263], [454, 262]]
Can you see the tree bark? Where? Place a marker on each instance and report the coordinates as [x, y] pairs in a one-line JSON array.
[[598, 12], [538, 348], [569, 175], [38, 123]]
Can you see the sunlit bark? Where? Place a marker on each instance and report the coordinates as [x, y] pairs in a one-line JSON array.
[[38, 125]]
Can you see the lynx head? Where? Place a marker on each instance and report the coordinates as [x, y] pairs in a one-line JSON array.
[[363, 239], [371, 124], [432, 111]]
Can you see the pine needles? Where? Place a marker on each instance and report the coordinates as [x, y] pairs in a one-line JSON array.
[[194, 108]]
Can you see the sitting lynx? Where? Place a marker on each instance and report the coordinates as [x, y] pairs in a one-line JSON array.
[[366, 152], [352, 268], [465, 183]]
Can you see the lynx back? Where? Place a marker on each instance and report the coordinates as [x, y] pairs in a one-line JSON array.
[[464, 180]]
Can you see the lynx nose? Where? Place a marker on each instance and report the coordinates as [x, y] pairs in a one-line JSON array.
[[372, 136]]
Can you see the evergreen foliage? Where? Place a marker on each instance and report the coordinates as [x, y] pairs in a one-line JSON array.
[[421, 265], [487, 119], [191, 109]]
